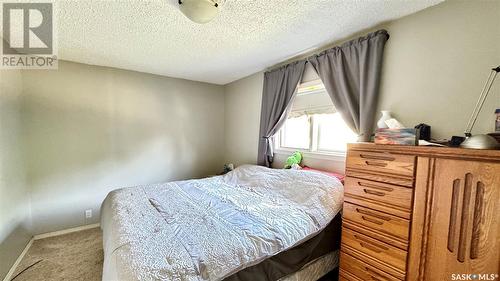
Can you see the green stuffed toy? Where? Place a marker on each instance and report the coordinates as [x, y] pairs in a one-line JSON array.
[[295, 159]]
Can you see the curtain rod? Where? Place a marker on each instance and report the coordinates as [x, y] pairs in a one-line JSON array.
[[305, 54]]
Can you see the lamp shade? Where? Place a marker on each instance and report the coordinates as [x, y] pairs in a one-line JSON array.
[[199, 11]]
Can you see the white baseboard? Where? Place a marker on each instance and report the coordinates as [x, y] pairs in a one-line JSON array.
[[65, 231], [18, 261]]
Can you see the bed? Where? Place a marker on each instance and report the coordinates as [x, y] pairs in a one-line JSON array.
[[253, 223]]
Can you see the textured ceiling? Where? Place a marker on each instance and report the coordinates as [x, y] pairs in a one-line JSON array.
[[246, 37]]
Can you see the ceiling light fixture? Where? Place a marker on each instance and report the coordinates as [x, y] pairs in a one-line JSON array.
[[199, 11]]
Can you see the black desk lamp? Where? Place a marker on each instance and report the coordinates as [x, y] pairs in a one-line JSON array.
[[481, 141]]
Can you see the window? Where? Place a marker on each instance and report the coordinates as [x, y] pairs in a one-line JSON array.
[[333, 132], [313, 125], [295, 132]]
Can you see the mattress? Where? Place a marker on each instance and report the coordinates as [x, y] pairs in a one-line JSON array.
[[214, 228]]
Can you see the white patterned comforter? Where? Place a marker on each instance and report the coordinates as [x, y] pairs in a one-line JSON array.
[[208, 229]]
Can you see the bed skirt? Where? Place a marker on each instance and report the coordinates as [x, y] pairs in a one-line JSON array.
[[296, 258]]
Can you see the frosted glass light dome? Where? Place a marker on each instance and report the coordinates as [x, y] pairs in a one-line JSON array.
[[199, 11]]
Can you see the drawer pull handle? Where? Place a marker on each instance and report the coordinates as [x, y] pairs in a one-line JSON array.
[[373, 163], [377, 157], [372, 192], [370, 245], [368, 213], [372, 220], [388, 189]]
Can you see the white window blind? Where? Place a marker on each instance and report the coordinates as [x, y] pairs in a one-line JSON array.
[[311, 99]]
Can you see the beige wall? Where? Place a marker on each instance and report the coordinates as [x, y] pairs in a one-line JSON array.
[[90, 130], [242, 119], [435, 64], [14, 194]]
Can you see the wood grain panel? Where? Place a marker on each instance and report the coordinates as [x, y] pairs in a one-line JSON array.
[[376, 249], [418, 225], [477, 241], [381, 236], [383, 207], [363, 270], [380, 177], [399, 274], [378, 221], [452, 227], [429, 204], [347, 276], [381, 192], [464, 221], [476, 224], [381, 162]]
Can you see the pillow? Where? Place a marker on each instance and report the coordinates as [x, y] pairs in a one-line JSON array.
[[331, 174]]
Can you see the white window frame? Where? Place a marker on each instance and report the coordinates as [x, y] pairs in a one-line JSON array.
[[313, 150], [279, 136]]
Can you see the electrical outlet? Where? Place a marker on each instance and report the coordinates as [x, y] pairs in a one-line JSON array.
[[88, 213]]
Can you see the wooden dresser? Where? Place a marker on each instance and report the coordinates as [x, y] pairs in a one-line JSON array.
[[420, 213]]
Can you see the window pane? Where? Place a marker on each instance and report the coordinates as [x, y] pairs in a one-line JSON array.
[[296, 133], [333, 132]]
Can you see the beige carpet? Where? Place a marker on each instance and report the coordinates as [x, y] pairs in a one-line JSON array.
[[73, 256]]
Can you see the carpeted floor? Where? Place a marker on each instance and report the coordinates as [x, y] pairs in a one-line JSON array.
[[72, 256]]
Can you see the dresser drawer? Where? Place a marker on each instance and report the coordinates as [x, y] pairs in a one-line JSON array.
[[381, 251], [347, 276], [376, 220], [363, 270], [381, 162], [381, 192]]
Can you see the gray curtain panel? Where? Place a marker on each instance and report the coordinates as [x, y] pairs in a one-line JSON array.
[[280, 86], [351, 74]]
